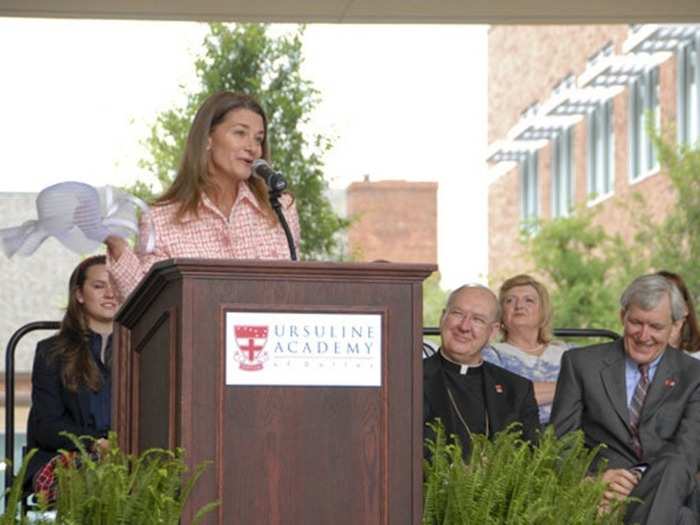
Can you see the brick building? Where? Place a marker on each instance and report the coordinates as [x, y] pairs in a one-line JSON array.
[[567, 108], [394, 221]]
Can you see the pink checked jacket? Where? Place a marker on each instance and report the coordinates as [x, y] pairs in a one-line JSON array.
[[246, 234]]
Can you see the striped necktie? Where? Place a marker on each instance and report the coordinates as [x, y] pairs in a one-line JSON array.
[[640, 393]]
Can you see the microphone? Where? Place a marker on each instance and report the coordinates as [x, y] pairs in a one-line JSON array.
[[274, 179], [276, 183]]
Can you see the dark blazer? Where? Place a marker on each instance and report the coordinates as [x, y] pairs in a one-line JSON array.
[[591, 396], [54, 409], [509, 398]]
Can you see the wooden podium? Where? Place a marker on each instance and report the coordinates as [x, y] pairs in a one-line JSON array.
[[292, 455]]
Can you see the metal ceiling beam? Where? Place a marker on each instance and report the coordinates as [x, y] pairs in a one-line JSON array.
[[367, 11]]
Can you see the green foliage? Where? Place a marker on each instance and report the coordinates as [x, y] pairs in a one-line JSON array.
[[674, 243], [12, 514], [586, 267], [509, 481], [589, 268], [244, 58], [434, 300], [117, 489]]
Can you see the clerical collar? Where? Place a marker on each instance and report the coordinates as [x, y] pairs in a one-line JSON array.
[[460, 367]]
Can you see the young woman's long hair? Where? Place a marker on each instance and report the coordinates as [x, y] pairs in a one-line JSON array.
[[690, 332], [192, 178], [72, 349]]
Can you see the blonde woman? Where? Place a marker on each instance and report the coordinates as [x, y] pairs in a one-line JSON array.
[[527, 348]]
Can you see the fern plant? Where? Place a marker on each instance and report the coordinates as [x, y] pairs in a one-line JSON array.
[[121, 489], [509, 481], [13, 514], [117, 489]]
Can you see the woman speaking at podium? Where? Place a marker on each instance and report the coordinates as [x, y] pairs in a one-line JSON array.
[[215, 207]]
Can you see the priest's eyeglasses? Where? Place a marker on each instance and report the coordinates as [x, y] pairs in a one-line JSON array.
[[457, 316]]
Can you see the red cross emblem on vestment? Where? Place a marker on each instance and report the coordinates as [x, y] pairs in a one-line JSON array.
[[251, 342]]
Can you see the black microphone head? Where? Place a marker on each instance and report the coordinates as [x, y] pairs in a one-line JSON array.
[[274, 180], [261, 168]]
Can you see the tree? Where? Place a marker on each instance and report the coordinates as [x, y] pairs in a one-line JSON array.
[[674, 243], [586, 268], [434, 300], [589, 268], [244, 58]]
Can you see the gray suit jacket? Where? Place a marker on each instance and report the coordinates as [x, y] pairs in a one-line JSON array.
[[591, 396]]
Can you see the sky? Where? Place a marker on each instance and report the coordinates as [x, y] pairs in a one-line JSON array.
[[401, 102]]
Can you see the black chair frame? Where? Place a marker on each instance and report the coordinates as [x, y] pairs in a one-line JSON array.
[[10, 393], [428, 349], [55, 325]]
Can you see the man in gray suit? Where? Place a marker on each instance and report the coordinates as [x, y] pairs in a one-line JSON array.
[[641, 399]]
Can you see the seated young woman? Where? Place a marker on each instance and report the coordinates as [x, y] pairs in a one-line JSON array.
[[71, 389]]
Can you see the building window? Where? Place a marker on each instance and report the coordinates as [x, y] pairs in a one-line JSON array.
[[688, 67], [643, 101], [528, 188], [601, 150], [562, 173]]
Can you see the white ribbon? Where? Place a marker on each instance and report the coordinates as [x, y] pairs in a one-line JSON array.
[[79, 216]]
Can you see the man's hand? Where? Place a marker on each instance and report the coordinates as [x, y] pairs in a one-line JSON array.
[[620, 482]]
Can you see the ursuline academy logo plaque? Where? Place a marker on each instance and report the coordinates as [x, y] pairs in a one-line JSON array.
[[250, 341], [303, 348]]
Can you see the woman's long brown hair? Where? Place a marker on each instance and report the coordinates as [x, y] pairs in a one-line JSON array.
[[690, 333], [72, 350], [192, 178]]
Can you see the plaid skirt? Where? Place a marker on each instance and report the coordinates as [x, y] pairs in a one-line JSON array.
[[45, 481]]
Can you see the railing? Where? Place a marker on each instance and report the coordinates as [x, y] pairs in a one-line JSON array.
[[558, 332], [10, 392], [586, 333], [55, 325]]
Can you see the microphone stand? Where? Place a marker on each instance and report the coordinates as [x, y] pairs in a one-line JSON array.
[[277, 206]]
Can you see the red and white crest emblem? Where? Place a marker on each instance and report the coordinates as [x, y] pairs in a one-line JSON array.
[[251, 343]]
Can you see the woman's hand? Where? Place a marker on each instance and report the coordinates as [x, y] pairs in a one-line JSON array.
[[101, 446], [115, 246]]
